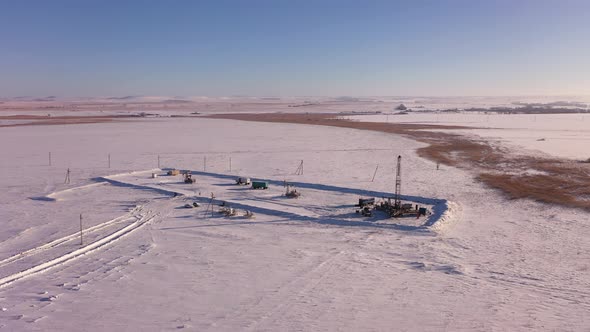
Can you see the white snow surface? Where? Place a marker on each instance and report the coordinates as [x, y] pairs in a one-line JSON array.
[[558, 135], [479, 263]]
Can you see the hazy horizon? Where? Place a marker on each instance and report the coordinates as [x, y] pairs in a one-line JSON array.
[[194, 97]]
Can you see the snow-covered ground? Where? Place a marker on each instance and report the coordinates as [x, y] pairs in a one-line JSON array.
[[301, 264], [560, 135]]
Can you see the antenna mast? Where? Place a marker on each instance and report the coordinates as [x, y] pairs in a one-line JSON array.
[[398, 184]]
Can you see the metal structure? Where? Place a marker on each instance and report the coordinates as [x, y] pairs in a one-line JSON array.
[[209, 207], [67, 179], [292, 192], [299, 170], [188, 178], [397, 209], [398, 184]]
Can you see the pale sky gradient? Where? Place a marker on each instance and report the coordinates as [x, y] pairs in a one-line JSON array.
[[286, 48]]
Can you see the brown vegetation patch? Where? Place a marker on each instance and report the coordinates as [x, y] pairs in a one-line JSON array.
[[553, 181], [459, 152], [37, 120], [555, 189], [324, 119]]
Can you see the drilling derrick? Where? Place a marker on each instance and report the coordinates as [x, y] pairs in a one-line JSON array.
[[398, 184]]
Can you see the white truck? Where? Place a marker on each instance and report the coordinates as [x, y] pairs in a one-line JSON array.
[[243, 181]]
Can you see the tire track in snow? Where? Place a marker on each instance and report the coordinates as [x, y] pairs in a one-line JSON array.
[[139, 222], [65, 239], [267, 308], [444, 212], [311, 283], [567, 294], [79, 252], [281, 299]]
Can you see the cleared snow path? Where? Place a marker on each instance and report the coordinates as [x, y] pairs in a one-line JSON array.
[[76, 253], [270, 201], [75, 236], [507, 265]]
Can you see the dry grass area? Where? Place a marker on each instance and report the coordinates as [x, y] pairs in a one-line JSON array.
[[37, 120], [554, 188], [546, 180]]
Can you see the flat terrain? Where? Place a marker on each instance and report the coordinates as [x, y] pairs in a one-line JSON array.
[[558, 135], [485, 262], [517, 175]]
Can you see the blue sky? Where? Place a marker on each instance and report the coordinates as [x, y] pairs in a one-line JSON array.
[[287, 48]]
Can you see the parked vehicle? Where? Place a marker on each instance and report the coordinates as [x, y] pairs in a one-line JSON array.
[[259, 185], [188, 178], [243, 181], [366, 202]]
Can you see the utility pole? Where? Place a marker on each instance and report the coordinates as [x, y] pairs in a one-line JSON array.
[[158, 161], [299, 170], [81, 239], [67, 179], [398, 183], [209, 206], [49, 158], [230, 164], [204, 163], [109, 160], [376, 168]]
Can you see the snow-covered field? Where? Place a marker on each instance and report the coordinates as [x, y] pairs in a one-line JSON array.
[[480, 262], [559, 135]]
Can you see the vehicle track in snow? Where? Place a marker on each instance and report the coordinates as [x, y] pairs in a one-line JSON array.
[[71, 237], [281, 298], [268, 203], [297, 289], [139, 216], [4, 281]]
